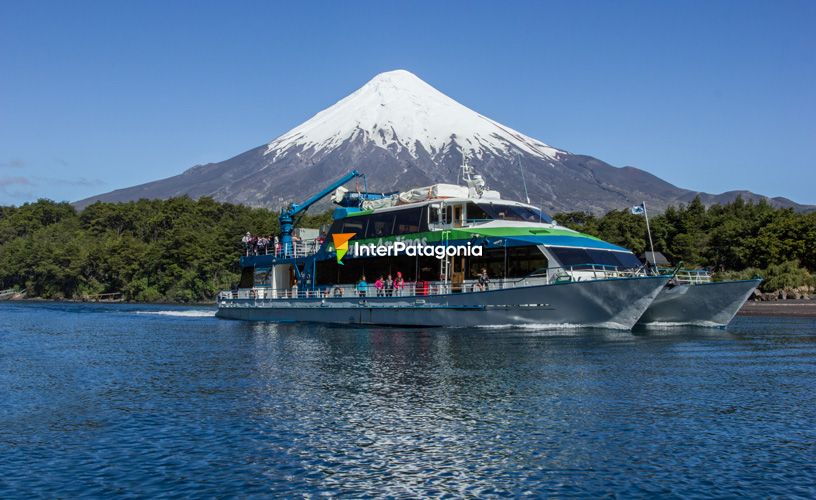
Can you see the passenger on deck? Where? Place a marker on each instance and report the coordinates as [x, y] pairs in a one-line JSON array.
[[399, 283], [380, 286], [362, 287], [484, 280], [246, 240], [389, 286], [295, 245], [262, 244]]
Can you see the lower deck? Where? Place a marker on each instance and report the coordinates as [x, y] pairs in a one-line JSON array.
[[604, 303]]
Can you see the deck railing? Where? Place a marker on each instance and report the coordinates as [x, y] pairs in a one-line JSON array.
[[582, 272], [691, 276], [298, 249]]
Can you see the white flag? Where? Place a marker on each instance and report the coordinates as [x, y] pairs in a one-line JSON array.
[[638, 209]]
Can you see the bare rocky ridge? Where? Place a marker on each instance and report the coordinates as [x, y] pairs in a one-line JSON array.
[[403, 133]]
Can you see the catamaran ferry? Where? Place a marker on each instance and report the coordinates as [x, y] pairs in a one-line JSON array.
[[456, 256]]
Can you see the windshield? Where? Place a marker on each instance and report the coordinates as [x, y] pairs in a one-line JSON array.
[[571, 257], [491, 211]]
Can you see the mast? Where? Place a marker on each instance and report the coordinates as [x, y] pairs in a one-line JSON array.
[[649, 232], [523, 180]]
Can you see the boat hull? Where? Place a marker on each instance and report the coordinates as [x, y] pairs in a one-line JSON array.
[[706, 304], [613, 303]]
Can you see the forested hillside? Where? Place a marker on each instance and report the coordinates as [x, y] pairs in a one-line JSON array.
[[184, 250], [736, 240], [151, 250]]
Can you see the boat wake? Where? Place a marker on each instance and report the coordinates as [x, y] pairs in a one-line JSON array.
[[611, 325], [668, 325], [535, 326], [182, 314]]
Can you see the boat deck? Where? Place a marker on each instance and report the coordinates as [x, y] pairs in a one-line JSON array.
[[587, 272]]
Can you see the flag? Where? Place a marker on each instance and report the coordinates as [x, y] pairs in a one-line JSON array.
[[638, 209]]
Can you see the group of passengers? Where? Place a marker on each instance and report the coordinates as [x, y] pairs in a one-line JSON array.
[[264, 245], [388, 286], [384, 286], [260, 245]]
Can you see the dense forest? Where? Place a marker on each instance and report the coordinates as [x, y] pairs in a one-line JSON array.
[[186, 250], [734, 241], [179, 250]]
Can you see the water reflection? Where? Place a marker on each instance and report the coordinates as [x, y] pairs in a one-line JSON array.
[[465, 411], [107, 401]]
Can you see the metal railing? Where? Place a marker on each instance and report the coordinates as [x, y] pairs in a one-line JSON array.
[[546, 276], [298, 249], [691, 276]]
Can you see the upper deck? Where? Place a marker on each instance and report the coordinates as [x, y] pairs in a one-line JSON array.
[[490, 223]]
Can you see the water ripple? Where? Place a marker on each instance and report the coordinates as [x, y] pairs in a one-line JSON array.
[[106, 400]]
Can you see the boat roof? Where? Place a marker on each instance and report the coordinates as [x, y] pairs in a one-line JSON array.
[[405, 206], [536, 233]]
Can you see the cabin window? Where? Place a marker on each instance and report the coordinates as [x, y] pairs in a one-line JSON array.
[[579, 256], [604, 258], [380, 225], [407, 221], [628, 259], [355, 225], [436, 214], [571, 256], [515, 213], [476, 213]]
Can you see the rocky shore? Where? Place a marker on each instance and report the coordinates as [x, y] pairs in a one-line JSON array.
[[800, 293], [798, 308]]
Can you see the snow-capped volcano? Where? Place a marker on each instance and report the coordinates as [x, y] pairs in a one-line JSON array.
[[403, 133], [397, 111]]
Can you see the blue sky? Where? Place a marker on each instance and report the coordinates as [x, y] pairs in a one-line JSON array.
[[709, 95]]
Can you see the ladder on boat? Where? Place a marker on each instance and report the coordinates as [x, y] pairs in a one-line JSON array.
[[444, 266]]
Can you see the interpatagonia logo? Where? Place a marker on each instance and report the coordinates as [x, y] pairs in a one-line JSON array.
[[416, 249], [341, 244]]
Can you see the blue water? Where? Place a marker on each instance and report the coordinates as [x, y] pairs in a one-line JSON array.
[[99, 400]]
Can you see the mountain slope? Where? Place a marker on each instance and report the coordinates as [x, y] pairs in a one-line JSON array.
[[404, 133]]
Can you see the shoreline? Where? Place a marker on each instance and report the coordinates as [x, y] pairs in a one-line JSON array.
[[77, 301], [788, 308]]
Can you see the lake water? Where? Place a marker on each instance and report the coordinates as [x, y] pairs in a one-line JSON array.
[[146, 400]]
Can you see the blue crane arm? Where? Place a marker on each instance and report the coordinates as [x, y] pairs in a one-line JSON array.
[[296, 208], [286, 217]]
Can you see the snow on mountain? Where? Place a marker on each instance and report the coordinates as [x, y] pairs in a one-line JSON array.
[[396, 110], [403, 133]]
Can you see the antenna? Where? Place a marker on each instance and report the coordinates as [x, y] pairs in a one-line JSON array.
[[474, 181], [523, 180]]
